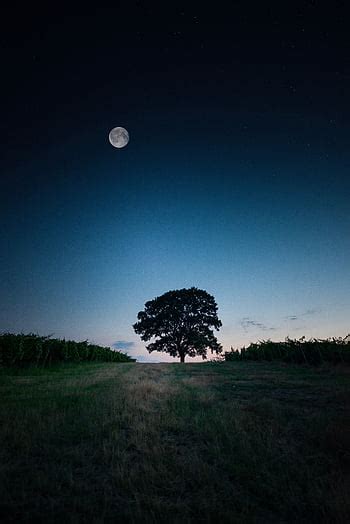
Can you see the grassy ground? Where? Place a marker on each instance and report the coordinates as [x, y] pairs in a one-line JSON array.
[[212, 442]]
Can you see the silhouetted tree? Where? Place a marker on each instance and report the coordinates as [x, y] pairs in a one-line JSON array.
[[180, 321]]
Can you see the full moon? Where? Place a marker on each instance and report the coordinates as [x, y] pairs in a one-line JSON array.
[[119, 137]]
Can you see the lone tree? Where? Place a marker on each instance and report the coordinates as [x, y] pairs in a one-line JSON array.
[[180, 323]]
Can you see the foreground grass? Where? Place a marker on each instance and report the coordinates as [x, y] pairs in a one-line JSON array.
[[228, 442]]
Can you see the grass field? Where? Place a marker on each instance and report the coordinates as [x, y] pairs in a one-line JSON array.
[[211, 442]]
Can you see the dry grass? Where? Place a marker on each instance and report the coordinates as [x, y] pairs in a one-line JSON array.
[[230, 442]]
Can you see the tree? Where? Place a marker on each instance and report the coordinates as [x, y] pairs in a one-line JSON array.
[[180, 323]]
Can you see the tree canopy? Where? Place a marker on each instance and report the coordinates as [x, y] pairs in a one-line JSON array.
[[181, 323]]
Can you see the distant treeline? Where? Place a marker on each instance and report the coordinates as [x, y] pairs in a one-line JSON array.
[[313, 351], [31, 349]]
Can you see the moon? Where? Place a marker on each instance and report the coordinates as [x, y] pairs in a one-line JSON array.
[[118, 137]]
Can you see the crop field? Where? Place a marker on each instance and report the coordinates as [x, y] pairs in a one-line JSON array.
[[25, 350], [212, 442], [310, 352]]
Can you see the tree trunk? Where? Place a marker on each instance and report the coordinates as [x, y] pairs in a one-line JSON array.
[[182, 358]]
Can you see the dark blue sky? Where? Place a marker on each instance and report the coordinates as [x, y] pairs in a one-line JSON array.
[[235, 180]]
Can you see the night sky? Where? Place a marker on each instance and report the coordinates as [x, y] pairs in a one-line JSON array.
[[235, 180]]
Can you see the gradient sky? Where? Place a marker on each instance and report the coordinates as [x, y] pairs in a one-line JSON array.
[[236, 178]]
